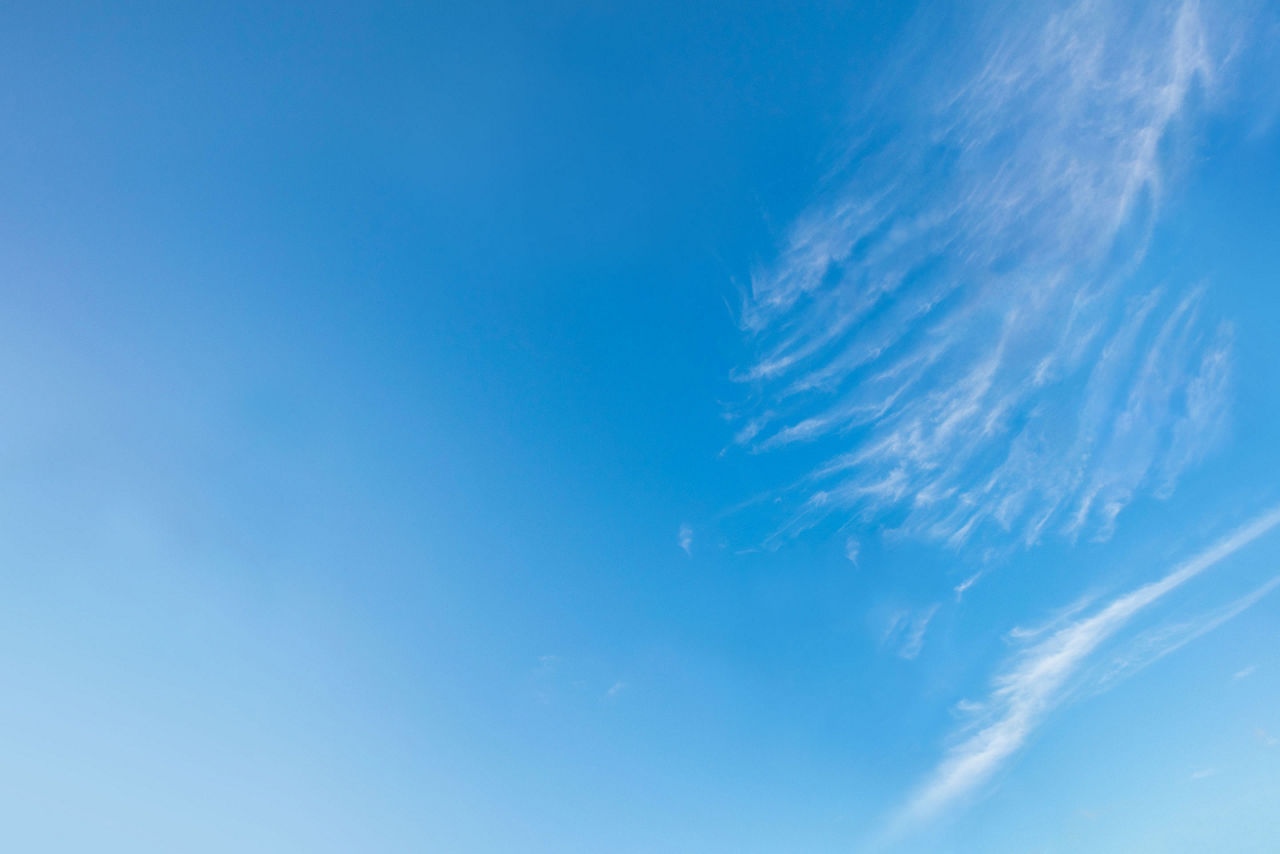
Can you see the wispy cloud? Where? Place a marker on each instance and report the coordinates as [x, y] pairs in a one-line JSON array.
[[960, 588], [685, 538], [1244, 672], [955, 327], [1036, 679], [906, 629], [851, 549], [1156, 643]]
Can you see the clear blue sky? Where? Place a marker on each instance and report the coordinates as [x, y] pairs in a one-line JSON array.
[[654, 427]]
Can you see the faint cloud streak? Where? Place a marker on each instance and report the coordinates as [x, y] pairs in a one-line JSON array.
[[1034, 681], [685, 538]]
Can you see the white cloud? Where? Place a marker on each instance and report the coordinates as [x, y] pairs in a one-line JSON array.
[[1035, 680], [1244, 672], [616, 689], [966, 584], [685, 538], [1158, 642], [1202, 773], [955, 328], [905, 631], [851, 548]]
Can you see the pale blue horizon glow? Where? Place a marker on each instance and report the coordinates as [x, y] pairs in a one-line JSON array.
[[690, 428]]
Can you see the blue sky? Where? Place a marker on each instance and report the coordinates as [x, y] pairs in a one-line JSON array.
[[483, 427]]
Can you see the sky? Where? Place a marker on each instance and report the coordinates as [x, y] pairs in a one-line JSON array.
[[657, 427]]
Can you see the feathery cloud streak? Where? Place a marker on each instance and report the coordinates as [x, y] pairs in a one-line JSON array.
[[1036, 679], [957, 329]]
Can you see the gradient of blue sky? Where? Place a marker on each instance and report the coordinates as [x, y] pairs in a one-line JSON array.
[[421, 420]]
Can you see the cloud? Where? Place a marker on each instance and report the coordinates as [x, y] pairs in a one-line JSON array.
[[1202, 773], [1244, 672], [685, 537], [851, 548], [963, 586], [953, 330], [905, 631], [616, 689], [1158, 642], [1035, 680]]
